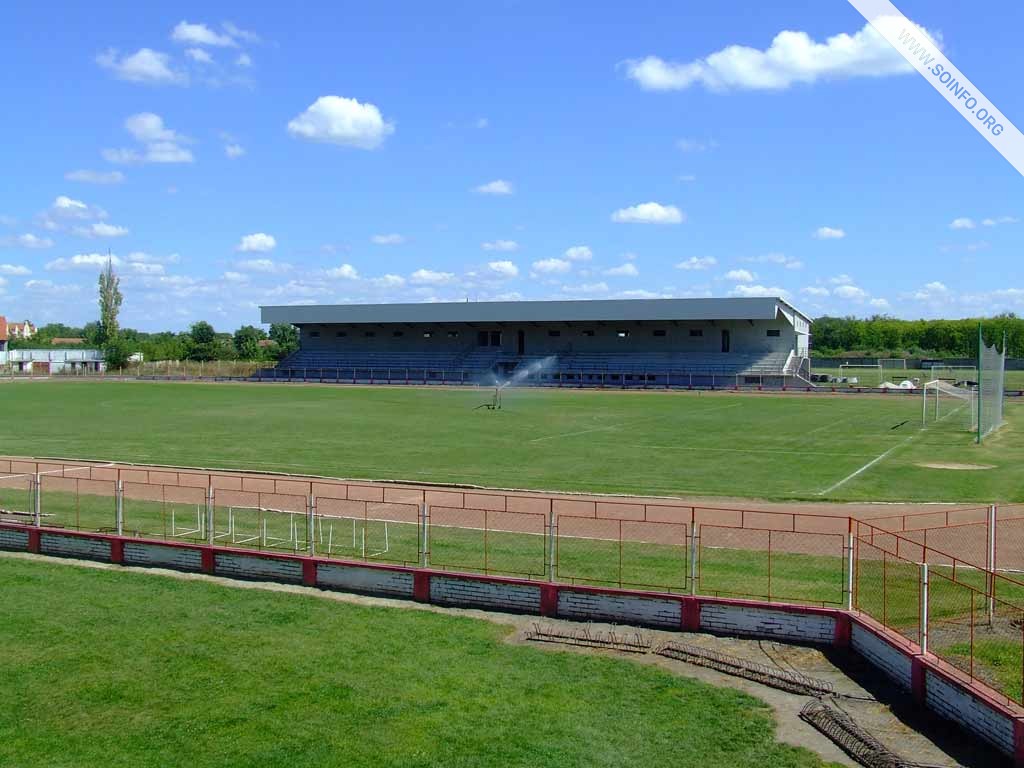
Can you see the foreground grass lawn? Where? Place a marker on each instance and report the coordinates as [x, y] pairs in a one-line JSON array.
[[747, 445], [121, 669]]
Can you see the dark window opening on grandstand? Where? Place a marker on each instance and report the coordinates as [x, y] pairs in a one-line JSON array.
[[488, 338], [369, 334], [774, 332], [622, 334], [314, 334], [660, 332], [554, 333], [397, 334], [453, 334], [696, 332], [428, 334], [588, 333], [341, 334]]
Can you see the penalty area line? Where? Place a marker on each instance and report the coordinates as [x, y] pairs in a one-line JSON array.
[[866, 467]]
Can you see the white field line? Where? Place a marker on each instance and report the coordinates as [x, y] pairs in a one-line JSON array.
[[627, 424], [56, 471], [866, 467], [830, 425]]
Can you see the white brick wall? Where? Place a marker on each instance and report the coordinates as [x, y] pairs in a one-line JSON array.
[[13, 539], [956, 704], [369, 580], [647, 611], [72, 546], [887, 658], [253, 567], [451, 590], [159, 556], [764, 622]]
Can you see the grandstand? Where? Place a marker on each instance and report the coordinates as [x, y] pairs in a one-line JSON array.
[[615, 342]]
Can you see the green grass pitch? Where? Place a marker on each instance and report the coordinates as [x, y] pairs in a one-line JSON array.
[[116, 669], [743, 445]]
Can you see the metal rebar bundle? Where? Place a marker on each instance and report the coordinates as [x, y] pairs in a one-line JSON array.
[[772, 676], [585, 638]]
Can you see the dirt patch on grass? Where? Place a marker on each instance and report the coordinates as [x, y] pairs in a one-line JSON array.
[[955, 466]]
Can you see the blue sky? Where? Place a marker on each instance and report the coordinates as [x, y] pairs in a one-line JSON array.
[[231, 155]]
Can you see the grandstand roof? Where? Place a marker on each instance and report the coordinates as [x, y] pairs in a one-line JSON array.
[[605, 310]]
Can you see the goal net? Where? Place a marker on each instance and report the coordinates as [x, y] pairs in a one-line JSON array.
[[944, 403], [954, 372], [991, 367], [893, 363]]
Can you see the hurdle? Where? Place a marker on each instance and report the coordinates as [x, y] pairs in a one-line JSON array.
[[358, 535], [199, 530]]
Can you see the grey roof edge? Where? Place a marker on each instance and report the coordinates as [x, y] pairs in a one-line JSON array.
[[593, 310]]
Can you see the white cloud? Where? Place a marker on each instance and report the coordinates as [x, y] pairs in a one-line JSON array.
[[145, 268], [993, 222], [344, 272], [199, 56], [244, 60], [850, 292], [338, 120], [496, 187], [586, 288], [258, 242], [83, 261], [143, 66], [235, 277], [430, 277], [687, 177], [753, 291], [880, 303], [267, 266], [100, 229], [160, 143], [95, 177], [551, 266], [815, 290], [740, 276], [482, 122], [697, 263], [695, 145], [780, 259], [200, 34], [388, 281], [504, 269], [233, 151], [829, 233], [793, 57], [507, 246], [840, 280], [963, 222], [14, 269], [28, 240], [69, 204], [240, 34], [649, 213], [579, 253], [389, 239], [624, 270], [931, 291]]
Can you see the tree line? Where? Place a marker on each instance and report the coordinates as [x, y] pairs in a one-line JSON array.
[[882, 336]]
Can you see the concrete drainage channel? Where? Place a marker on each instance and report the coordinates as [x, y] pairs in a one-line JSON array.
[[821, 712]]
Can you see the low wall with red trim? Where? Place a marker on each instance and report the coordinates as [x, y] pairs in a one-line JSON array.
[[933, 684]]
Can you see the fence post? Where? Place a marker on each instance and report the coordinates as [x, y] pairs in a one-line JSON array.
[[209, 514], [425, 535], [37, 505], [311, 524], [849, 571], [924, 608], [119, 507], [990, 565], [552, 541], [694, 548]]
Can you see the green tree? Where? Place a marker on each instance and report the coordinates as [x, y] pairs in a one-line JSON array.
[[203, 342], [110, 304], [116, 353], [286, 336], [247, 342]]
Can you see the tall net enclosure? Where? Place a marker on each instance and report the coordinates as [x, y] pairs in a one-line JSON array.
[[991, 368], [950, 406]]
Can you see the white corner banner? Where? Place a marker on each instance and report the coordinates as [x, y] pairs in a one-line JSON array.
[[923, 53]]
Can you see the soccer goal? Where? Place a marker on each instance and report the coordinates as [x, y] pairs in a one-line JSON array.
[[893, 363], [954, 372], [990, 378], [861, 374], [943, 402]]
